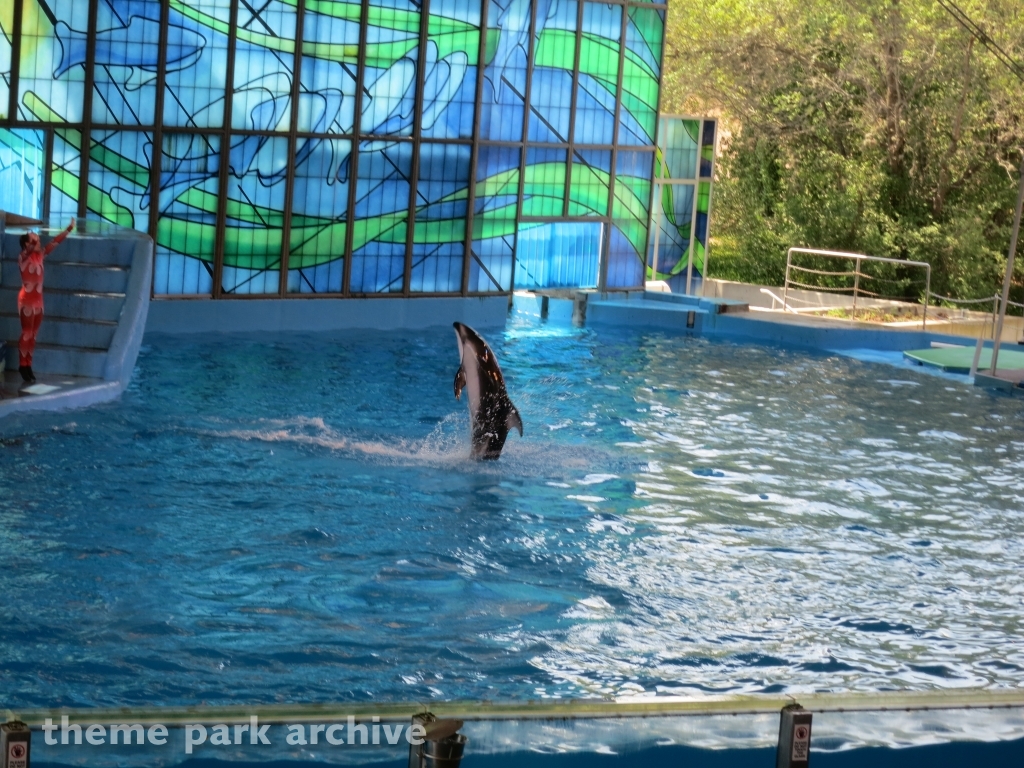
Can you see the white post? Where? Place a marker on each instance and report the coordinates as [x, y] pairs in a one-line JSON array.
[[659, 191], [1009, 272]]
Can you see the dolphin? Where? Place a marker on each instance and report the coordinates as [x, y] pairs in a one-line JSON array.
[[491, 413]]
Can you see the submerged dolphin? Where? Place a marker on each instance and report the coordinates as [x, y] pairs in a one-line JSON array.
[[491, 412]]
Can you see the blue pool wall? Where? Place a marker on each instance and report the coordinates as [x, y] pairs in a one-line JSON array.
[[283, 315]]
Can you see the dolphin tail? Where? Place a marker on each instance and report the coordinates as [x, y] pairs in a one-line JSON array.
[[512, 421], [460, 381]]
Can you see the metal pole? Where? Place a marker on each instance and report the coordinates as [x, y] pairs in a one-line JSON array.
[[656, 225], [995, 313], [856, 285], [785, 287], [927, 296], [1009, 272]]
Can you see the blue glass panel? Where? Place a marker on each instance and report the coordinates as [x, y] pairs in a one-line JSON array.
[[187, 224], [381, 217], [678, 141], [638, 114], [64, 174], [599, 69], [558, 255], [544, 188], [197, 65], [440, 231], [22, 171], [255, 215], [127, 58], [554, 59], [449, 83], [119, 177], [628, 242], [674, 233], [501, 116], [494, 219], [264, 64], [588, 185], [392, 41], [707, 149], [51, 77], [328, 75], [319, 217]]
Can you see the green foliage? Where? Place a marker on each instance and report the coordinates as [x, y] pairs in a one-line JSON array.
[[874, 126]]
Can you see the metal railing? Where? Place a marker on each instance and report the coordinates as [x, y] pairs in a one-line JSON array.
[[995, 299], [856, 274]]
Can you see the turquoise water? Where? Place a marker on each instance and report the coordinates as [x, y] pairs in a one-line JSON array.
[[293, 518]]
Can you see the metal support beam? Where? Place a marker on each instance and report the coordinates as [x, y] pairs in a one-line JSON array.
[[353, 158], [573, 99], [156, 162], [417, 142], [602, 278], [47, 173], [12, 101], [225, 155], [293, 128], [525, 135], [86, 130], [474, 152]]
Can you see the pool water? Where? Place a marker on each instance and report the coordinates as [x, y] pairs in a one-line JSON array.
[[293, 518]]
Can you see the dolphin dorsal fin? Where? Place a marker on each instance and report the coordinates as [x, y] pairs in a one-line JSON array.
[[512, 421]]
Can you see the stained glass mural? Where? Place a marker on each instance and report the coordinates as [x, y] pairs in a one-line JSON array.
[[271, 185]]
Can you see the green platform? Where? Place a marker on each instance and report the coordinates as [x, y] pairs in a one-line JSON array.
[[959, 359]]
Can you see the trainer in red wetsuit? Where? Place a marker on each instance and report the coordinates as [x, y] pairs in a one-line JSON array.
[[30, 297]]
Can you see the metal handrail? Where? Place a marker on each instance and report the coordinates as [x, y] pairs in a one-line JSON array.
[[568, 709], [858, 258]]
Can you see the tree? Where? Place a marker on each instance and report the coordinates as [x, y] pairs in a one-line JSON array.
[[877, 126]]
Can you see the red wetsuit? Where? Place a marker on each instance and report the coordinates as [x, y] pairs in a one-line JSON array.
[[30, 297]]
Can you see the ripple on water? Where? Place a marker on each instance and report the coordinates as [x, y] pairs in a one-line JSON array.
[[295, 519]]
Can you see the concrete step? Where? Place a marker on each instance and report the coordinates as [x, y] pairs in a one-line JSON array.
[[71, 276], [82, 249], [61, 331], [86, 306], [62, 360]]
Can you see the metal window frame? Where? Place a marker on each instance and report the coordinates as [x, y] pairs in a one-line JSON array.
[[86, 129], [293, 127], [353, 161], [474, 157], [225, 156], [156, 161], [417, 143], [12, 93], [602, 281]]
